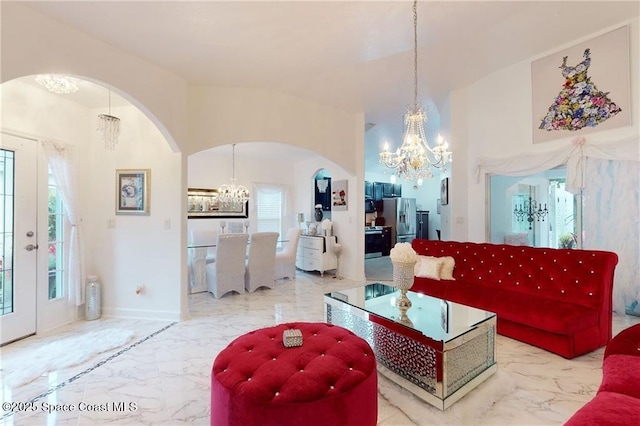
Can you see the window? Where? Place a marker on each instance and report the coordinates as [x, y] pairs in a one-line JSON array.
[[55, 242], [269, 208]]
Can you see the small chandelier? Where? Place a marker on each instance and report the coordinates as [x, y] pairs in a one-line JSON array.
[[59, 84], [415, 158], [233, 197], [109, 128], [530, 210]]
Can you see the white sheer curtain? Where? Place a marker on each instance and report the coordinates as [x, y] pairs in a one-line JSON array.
[[612, 222], [608, 177], [63, 162], [573, 156]]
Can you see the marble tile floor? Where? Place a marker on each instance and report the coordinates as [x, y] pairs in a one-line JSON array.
[[167, 376]]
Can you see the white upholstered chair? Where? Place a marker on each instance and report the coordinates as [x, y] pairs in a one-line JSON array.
[[260, 268], [226, 273], [286, 259], [235, 228], [199, 257]]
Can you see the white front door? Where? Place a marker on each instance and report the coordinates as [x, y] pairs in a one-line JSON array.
[[18, 244]]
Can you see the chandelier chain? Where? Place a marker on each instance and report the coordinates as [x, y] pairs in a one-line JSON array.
[[414, 159], [415, 52]]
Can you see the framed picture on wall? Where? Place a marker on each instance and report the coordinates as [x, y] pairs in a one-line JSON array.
[[582, 89], [132, 191], [444, 191], [339, 193]]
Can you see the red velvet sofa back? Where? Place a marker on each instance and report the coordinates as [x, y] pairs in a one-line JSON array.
[[576, 276]]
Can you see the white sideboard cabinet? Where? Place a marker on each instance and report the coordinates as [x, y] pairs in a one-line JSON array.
[[315, 253]]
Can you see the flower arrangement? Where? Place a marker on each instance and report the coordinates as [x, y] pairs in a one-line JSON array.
[[403, 253], [326, 225]]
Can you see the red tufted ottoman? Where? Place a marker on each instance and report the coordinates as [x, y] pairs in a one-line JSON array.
[[330, 380]]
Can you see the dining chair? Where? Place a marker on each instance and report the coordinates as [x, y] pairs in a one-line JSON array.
[[260, 267], [226, 273], [236, 228], [286, 258], [199, 257]]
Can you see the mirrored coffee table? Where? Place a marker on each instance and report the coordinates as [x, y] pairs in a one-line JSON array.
[[439, 351]]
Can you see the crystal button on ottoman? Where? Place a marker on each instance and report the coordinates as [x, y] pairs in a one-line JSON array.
[[330, 380]]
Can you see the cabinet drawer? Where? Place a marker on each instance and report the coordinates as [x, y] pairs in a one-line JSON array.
[[313, 264], [310, 252], [312, 242]]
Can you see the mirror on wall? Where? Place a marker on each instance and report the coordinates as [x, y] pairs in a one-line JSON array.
[[534, 210]]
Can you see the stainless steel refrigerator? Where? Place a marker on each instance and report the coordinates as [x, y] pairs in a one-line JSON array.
[[400, 214]]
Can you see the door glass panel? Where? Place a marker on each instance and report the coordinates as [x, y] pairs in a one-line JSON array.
[[56, 242], [534, 210], [7, 164]]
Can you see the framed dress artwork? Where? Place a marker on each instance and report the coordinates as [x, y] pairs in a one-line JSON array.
[[582, 89]]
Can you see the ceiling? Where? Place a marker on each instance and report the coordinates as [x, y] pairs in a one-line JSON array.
[[352, 55]]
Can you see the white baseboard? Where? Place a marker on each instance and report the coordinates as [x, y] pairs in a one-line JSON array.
[[141, 314]]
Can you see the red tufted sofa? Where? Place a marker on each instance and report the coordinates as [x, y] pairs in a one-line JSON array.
[[557, 299], [330, 380], [617, 402]]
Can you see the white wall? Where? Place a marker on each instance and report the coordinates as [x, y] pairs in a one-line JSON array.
[[221, 115], [140, 250], [492, 117], [34, 44], [128, 255]]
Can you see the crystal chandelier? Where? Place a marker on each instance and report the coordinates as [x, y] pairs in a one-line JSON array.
[[59, 84], [109, 128], [530, 210], [415, 158], [232, 197]]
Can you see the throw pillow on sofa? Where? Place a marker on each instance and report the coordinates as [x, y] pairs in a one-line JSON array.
[[428, 267], [448, 263]]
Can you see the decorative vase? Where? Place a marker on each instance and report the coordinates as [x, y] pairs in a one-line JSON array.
[[403, 273], [318, 214]]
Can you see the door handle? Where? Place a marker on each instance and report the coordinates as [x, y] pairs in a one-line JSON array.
[[31, 247]]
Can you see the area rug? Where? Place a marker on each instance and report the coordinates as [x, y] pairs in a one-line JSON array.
[[61, 354], [467, 411]]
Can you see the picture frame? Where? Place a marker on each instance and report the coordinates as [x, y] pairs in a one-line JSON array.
[[339, 195], [203, 204], [444, 191], [132, 191], [608, 71]]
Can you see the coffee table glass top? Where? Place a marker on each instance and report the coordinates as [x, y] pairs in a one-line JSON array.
[[437, 319]]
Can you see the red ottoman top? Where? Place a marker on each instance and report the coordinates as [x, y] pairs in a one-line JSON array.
[[331, 361]]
